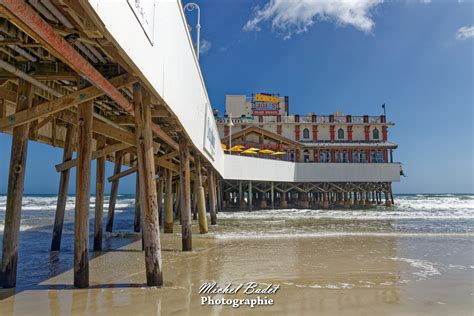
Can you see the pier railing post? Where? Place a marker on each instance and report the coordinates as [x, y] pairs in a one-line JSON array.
[[99, 195], [16, 181], [185, 203], [83, 184], [148, 199], [63, 189], [113, 192]]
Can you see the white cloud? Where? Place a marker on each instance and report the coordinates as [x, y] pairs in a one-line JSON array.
[[290, 17], [426, 1], [465, 32], [205, 46]]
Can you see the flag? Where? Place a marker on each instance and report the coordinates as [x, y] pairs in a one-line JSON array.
[[383, 106]]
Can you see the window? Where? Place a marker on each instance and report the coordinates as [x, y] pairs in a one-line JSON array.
[[344, 156], [375, 133], [379, 156], [363, 157], [372, 156], [340, 133], [355, 156], [306, 156], [323, 156], [306, 133]]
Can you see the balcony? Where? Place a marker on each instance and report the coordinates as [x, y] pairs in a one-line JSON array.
[[308, 119]]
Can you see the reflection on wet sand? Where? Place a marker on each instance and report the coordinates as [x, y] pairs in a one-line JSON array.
[[331, 275]]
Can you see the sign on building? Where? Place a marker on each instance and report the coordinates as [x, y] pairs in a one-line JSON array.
[[265, 105], [266, 98], [144, 11]]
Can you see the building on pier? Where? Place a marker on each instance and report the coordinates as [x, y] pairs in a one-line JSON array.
[[336, 138], [338, 158]]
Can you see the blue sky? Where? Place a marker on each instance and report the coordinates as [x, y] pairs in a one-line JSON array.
[[415, 56]]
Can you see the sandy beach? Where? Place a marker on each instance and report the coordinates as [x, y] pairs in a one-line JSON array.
[[348, 273]]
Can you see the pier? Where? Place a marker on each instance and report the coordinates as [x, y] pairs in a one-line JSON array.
[[96, 79]]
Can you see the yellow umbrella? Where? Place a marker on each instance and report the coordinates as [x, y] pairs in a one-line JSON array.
[[224, 146], [266, 151], [248, 151], [253, 149], [279, 153], [236, 149]]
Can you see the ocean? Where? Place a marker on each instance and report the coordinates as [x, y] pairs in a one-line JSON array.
[[421, 245]]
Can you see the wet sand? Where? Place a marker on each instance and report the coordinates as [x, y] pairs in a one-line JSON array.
[[343, 275]]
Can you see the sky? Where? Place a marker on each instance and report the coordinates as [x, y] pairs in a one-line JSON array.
[[417, 57]]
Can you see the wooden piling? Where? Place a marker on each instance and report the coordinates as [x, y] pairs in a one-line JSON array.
[[63, 190], [16, 181], [185, 202], [325, 200], [194, 203], [148, 198], [83, 182], [250, 198], [201, 199], [241, 196], [113, 192], [219, 195], [99, 195], [272, 195], [160, 186], [168, 218], [212, 195], [137, 217], [283, 201]]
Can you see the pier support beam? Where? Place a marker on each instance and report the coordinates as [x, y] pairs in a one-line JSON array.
[[200, 195], [347, 200], [16, 181], [388, 202], [241, 196], [220, 200], [250, 198], [168, 218], [99, 195], [83, 183], [305, 202], [272, 195], [113, 192], [185, 203], [212, 195], [136, 219], [159, 192], [148, 199], [63, 189], [325, 201], [283, 201]]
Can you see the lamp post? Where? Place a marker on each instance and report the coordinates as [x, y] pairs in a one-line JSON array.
[[190, 7], [230, 124]]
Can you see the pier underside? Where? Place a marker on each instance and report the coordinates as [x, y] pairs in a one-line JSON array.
[[249, 195]]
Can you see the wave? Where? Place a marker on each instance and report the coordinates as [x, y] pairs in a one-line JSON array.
[[48, 203], [270, 235]]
